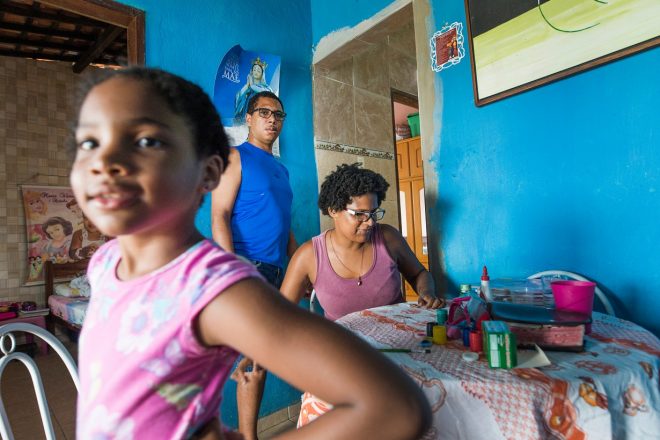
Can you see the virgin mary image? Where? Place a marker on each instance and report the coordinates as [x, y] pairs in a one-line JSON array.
[[256, 82]]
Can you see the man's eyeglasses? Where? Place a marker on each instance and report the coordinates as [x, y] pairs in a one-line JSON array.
[[364, 216], [266, 112]]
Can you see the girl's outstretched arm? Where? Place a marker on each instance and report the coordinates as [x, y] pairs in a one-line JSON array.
[[372, 397]]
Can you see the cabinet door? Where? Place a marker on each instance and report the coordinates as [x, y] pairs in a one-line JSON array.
[[415, 157], [407, 216], [403, 159], [407, 227], [419, 221]]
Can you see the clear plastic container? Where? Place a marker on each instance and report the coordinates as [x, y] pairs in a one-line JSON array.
[[536, 292]]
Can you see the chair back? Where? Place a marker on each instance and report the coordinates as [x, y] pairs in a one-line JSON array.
[[314, 305], [9, 353], [563, 274]]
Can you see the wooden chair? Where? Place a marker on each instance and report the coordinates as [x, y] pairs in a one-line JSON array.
[[9, 354], [314, 307]]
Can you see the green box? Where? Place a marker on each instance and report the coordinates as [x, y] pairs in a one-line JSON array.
[[413, 121], [499, 345]]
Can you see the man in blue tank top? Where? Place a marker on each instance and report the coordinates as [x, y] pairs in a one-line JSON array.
[[252, 205], [251, 215]]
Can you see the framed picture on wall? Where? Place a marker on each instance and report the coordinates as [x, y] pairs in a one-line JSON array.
[[56, 229], [517, 45]]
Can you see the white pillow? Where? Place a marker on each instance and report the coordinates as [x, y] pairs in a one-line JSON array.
[[66, 290], [81, 284]]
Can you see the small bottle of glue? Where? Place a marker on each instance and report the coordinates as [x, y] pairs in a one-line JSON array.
[[485, 284]]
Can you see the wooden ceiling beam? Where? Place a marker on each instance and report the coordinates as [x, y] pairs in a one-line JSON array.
[[107, 37], [118, 15], [40, 43], [114, 13], [105, 59], [45, 15], [33, 55], [50, 32], [43, 22]]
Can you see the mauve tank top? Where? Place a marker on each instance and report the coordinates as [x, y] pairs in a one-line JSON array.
[[338, 296]]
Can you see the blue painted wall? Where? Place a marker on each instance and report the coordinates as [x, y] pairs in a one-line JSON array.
[[566, 176], [329, 16], [190, 40]]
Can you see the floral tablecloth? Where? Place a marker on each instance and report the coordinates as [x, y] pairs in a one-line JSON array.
[[611, 390]]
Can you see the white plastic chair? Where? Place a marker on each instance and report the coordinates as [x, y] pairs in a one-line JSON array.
[[9, 354], [313, 307], [573, 276]]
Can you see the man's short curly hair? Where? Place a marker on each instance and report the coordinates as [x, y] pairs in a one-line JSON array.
[[348, 181], [252, 103]]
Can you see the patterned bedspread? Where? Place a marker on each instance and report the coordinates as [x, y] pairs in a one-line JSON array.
[[611, 390], [70, 309]]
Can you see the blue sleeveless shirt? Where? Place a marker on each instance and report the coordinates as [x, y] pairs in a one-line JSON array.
[[261, 219]]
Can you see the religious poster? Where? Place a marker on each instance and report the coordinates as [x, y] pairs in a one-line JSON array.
[[447, 47], [241, 75], [56, 229]]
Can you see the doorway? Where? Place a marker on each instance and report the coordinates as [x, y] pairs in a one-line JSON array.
[[410, 179]]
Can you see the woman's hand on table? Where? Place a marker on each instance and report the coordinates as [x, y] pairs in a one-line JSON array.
[[430, 302]]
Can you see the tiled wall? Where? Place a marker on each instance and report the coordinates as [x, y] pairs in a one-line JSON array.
[[353, 106], [36, 111]]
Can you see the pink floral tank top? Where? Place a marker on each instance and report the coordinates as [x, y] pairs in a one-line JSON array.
[[143, 372]]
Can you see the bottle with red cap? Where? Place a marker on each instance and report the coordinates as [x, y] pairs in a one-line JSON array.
[[485, 284]]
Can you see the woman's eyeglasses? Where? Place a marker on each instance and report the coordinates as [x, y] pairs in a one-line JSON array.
[[364, 216], [266, 112]]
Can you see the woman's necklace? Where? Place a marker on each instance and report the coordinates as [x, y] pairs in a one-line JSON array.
[[332, 245]]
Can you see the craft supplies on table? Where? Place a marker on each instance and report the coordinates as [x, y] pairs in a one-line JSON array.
[[526, 401], [499, 344]]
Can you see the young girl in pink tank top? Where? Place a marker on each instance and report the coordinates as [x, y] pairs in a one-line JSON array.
[[170, 310], [358, 264]]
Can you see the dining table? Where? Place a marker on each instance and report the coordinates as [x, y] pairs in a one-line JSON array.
[[610, 390]]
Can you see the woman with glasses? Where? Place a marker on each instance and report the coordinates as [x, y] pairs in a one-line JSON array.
[[358, 264]]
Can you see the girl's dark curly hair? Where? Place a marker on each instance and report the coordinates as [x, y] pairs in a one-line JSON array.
[[184, 98], [349, 181]]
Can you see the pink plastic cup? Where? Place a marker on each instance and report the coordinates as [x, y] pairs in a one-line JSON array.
[[574, 296]]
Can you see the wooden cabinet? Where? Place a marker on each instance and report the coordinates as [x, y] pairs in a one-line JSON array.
[[411, 201]]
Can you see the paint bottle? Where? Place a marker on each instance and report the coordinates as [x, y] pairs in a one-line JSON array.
[[465, 333], [441, 316], [440, 334], [485, 284], [429, 328], [464, 289], [476, 341]]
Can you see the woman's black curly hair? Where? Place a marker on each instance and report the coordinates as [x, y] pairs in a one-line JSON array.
[[349, 181], [184, 98]]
